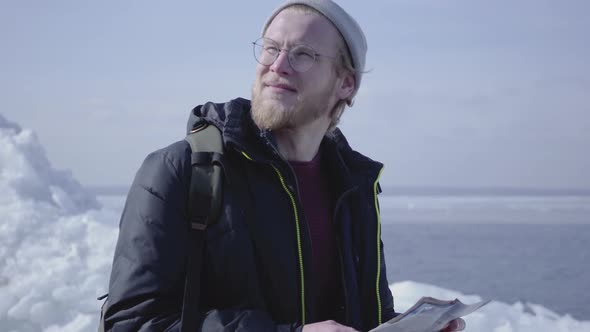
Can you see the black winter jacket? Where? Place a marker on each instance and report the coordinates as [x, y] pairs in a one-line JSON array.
[[257, 271]]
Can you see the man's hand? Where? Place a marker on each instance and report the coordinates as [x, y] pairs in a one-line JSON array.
[[327, 326], [454, 325]]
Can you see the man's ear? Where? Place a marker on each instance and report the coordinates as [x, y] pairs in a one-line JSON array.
[[346, 85]]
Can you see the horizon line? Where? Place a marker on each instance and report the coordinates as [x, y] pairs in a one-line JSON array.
[[390, 190]]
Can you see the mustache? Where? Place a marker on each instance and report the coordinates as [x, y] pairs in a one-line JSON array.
[[280, 83]]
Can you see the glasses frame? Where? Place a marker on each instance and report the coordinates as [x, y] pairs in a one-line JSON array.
[[288, 50]]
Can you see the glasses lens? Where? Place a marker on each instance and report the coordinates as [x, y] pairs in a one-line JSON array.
[[265, 51], [302, 58]]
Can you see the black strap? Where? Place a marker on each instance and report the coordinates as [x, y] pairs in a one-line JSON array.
[[192, 287], [206, 158], [204, 205]]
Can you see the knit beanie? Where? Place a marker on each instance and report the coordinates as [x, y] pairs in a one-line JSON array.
[[345, 24]]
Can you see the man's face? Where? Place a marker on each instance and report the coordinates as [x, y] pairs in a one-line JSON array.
[[285, 98]]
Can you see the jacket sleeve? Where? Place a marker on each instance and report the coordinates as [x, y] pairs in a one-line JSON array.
[[147, 277]]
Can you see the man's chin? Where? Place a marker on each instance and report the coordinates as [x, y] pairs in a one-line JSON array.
[[283, 100], [270, 115], [276, 105]]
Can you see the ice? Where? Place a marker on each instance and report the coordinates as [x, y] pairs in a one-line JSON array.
[[55, 253], [57, 244], [495, 316]]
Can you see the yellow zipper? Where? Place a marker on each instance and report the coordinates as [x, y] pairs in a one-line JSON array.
[[297, 228], [379, 309], [299, 252]]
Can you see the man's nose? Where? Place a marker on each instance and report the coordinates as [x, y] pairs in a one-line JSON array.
[[281, 64]]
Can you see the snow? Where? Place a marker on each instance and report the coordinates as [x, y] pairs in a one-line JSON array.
[[57, 243], [55, 253], [493, 317]]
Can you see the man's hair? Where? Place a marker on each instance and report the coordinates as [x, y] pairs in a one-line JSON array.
[[343, 65]]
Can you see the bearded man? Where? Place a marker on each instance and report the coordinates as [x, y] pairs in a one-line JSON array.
[[297, 244]]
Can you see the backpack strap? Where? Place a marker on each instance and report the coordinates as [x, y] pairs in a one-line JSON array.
[[204, 207], [206, 178]]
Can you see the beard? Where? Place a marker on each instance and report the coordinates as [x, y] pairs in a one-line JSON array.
[[276, 112]]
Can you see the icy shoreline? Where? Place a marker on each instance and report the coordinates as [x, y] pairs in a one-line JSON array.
[[57, 246]]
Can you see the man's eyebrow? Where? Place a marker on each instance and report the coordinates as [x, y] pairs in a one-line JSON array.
[[293, 43]]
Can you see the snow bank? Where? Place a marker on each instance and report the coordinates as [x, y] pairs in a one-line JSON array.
[[55, 255], [495, 316]]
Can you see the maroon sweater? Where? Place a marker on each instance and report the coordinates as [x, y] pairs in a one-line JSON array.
[[318, 203]]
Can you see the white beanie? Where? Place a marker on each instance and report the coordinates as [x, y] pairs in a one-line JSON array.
[[346, 25]]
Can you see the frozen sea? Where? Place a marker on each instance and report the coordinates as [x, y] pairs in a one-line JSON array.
[[505, 248], [526, 254], [547, 264]]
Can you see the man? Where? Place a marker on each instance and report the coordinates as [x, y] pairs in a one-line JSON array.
[[297, 245]]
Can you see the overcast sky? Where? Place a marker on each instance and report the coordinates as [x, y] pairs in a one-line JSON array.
[[460, 93]]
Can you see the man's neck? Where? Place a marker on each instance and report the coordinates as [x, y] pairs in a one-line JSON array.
[[301, 143]]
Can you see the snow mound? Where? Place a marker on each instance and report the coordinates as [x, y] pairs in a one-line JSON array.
[[55, 255], [493, 317], [27, 176]]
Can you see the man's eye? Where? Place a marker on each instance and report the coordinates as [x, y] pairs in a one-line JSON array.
[[271, 49], [304, 54]]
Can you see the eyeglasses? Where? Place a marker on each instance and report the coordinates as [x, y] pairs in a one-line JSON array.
[[301, 57]]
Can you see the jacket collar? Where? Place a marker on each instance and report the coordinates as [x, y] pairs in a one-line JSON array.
[[240, 132]]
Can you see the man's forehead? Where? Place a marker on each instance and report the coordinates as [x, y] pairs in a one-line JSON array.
[[297, 27]]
